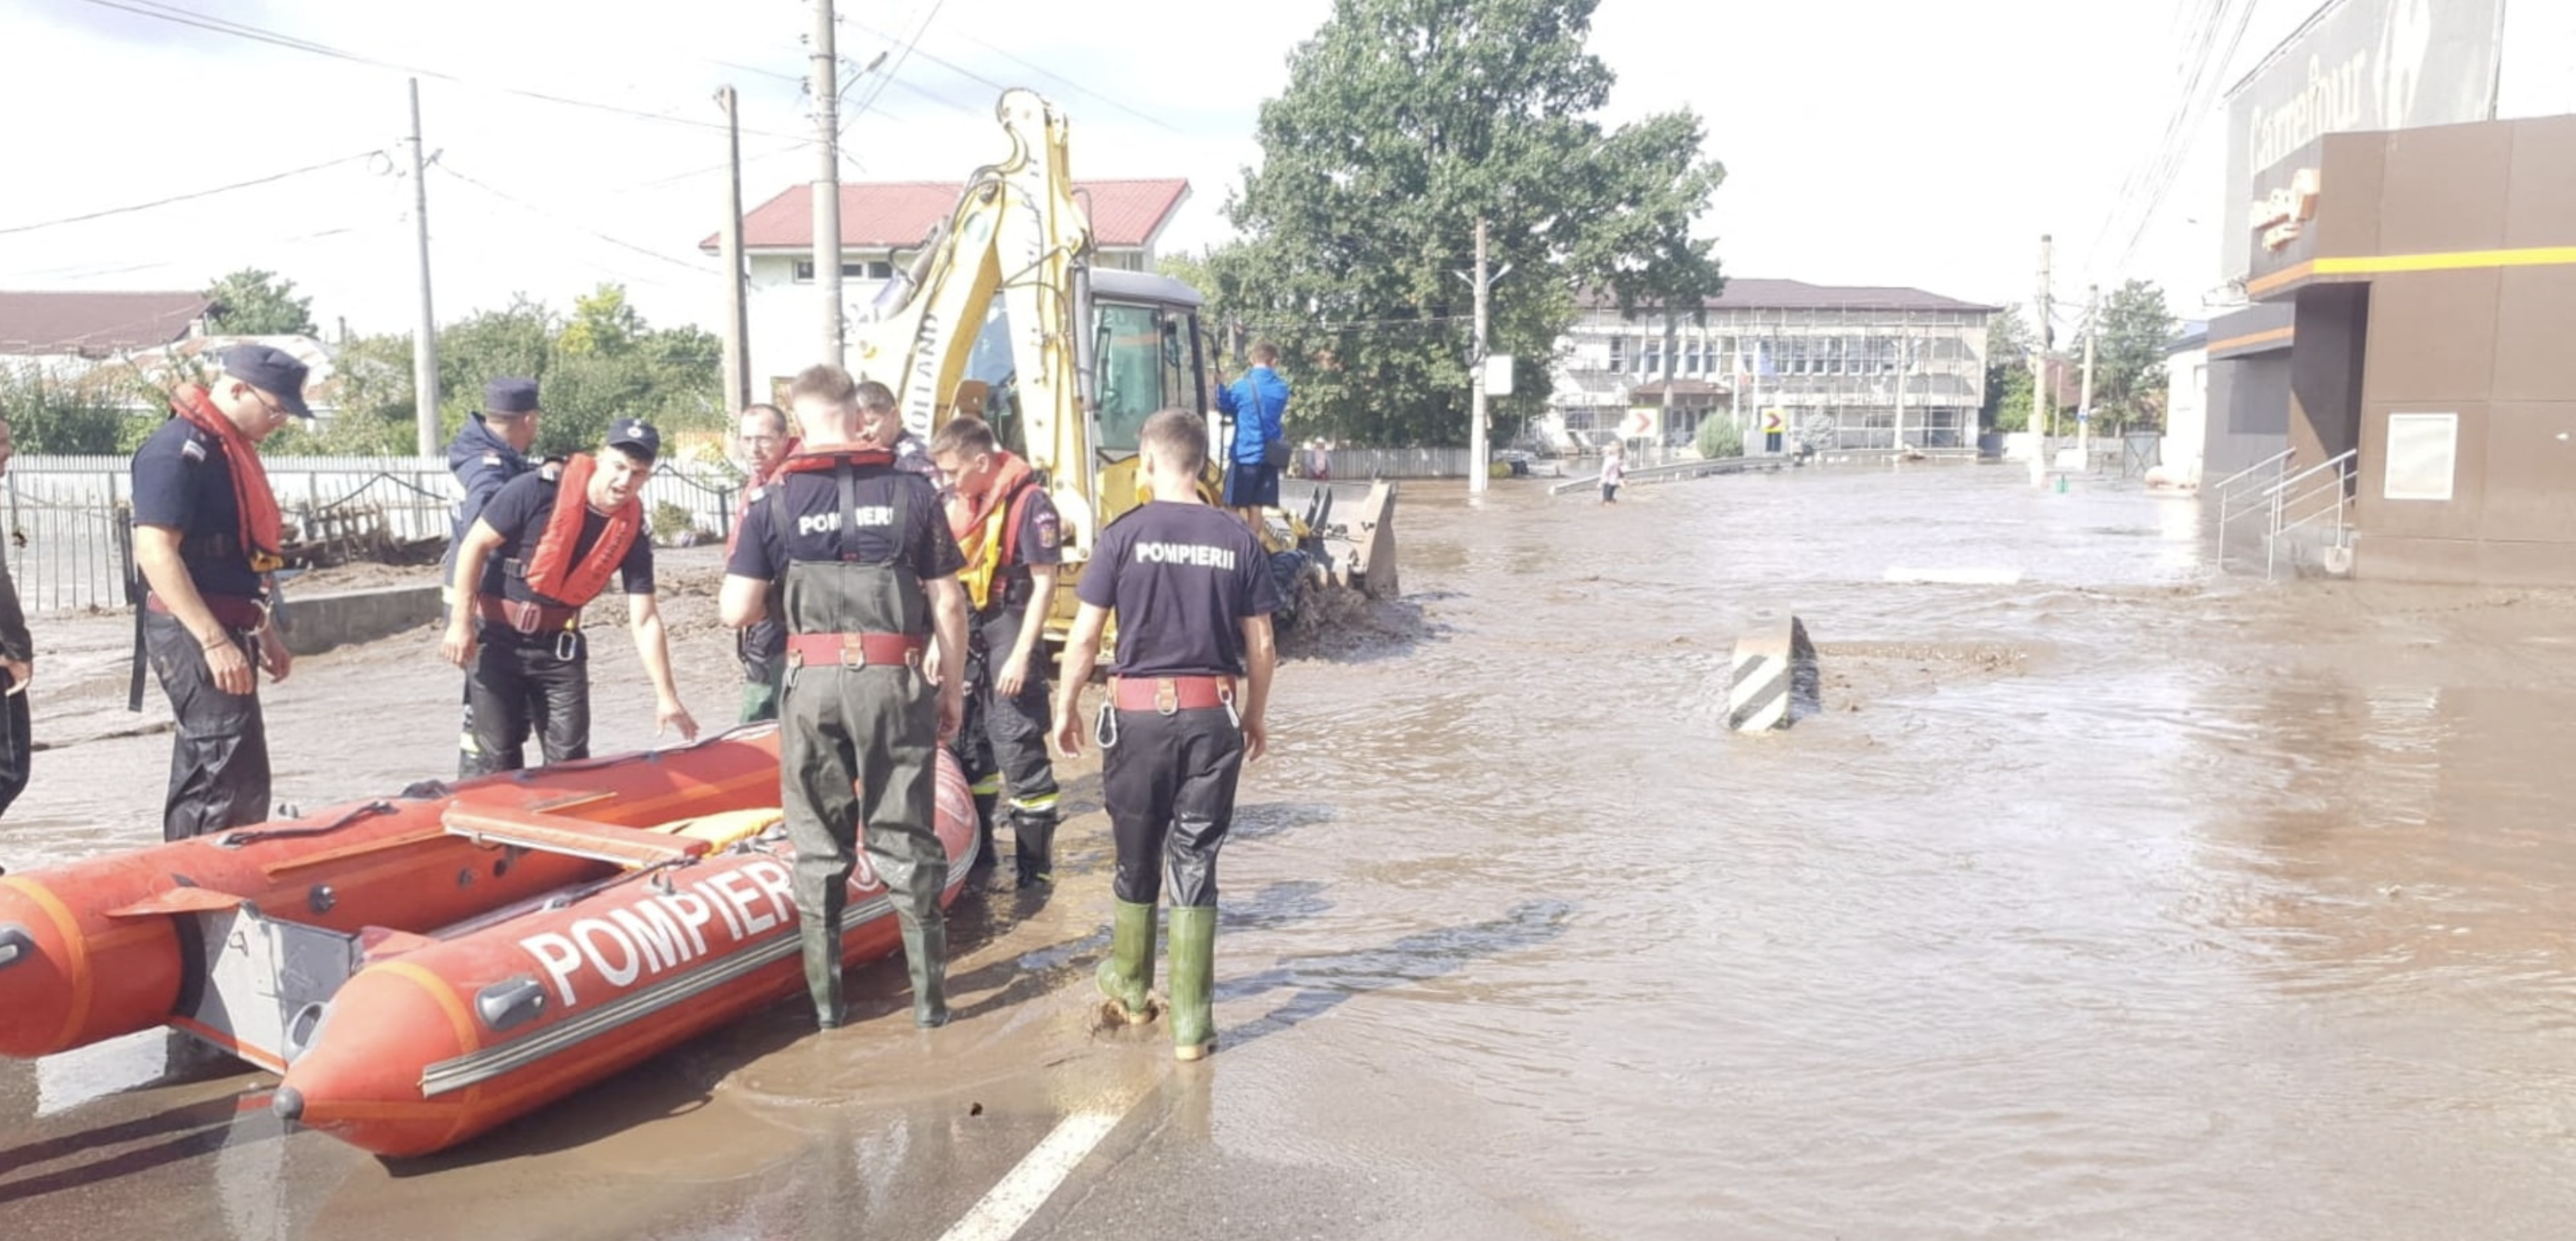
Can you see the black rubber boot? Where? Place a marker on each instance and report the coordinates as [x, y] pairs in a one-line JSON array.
[[1034, 854], [1126, 975], [985, 857]]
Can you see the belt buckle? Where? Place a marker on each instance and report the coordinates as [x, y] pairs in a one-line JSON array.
[[1167, 696], [522, 616], [854, 650]]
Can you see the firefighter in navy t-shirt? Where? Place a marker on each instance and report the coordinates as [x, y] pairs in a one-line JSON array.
[[207, 537], [517, 622], [870, 572], [1193, 596], [1010, 535]]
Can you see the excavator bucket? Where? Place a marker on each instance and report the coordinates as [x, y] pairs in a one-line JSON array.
[[1358, 552]]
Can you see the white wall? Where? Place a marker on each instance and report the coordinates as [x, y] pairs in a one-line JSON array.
[[2186, 415]]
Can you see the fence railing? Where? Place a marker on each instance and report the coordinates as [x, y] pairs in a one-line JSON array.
[[61, 512]]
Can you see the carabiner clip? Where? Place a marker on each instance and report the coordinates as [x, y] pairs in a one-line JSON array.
[[1105, 725], [1225, 695], [567, 645]]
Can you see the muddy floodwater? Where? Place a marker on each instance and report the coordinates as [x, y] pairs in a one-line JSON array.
[[2107, 896]]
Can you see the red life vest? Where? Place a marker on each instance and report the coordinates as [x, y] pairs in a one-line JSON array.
[[552, 572], [826, 460], [988, 530], [263, 530]]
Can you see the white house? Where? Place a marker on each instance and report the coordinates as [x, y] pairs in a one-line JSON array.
[[882, 224], [2186, 409]]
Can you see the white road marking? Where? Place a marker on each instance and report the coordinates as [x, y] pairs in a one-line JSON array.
[[1020, 1194]]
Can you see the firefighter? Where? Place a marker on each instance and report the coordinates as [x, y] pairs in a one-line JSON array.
[[17, 669], [869, 572], [1193, 596], [766, 442], [1008, 530], [207, 537], [517, 622], [488, 451]]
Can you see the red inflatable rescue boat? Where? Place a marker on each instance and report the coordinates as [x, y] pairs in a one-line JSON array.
[[422, 969]]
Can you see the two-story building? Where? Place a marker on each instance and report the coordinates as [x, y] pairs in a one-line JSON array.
[[883, 225], [1845, 366]]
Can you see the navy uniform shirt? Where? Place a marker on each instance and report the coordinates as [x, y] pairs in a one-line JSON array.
[[812, 502], [1181, 578], [520, 512], [483, 463], [1041, 536], [182, 480]]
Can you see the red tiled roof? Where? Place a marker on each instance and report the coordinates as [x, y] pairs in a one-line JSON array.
[[94, 324], [878, 215], [1753, 294]]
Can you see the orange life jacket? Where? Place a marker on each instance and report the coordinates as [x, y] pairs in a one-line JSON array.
[[553, 572], [263, 530], [988, 527]]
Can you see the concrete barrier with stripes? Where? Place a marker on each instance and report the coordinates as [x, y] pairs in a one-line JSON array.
[[1773, 681]]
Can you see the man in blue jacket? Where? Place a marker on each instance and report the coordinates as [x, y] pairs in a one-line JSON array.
[[490, 450], [1256, 403]]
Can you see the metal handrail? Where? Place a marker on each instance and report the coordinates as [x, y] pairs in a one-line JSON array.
[[2282, 499], [2278, 463]]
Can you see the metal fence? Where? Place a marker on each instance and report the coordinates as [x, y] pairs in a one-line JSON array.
[[1364, 463], [62, 512]]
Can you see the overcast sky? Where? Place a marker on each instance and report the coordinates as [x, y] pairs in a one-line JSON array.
[[1889, 142]]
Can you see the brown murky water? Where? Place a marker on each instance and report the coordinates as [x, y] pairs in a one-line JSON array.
[[2120, 900]]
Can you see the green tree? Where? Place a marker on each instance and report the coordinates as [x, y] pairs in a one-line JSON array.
[[2129, 358], [251, 302], [2008, 346], [601, 322], [1404, 123]]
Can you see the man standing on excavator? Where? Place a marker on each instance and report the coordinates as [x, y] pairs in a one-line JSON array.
[[1256, 402], [1012, 540], [870, 573]]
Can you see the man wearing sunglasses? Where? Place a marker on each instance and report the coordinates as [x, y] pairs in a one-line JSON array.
[[207, 537]]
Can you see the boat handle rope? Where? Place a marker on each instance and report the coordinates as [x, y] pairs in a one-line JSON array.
[[235, 840]]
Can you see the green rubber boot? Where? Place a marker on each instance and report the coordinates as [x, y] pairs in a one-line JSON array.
[[821, 947], [1193, 981], [1127, 973]]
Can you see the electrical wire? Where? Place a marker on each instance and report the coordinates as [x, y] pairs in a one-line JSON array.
[[445, 167], [188, 197], [204, 21]]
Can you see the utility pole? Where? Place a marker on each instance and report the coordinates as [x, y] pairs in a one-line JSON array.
[[424, 343], [737, 320], [2040, 411], [2084, 403], [827, 182], [1476, 469]]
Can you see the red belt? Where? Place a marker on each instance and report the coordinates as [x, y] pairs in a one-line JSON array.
[[853, 650], [527, 617], [230, 611], [1170, 694]]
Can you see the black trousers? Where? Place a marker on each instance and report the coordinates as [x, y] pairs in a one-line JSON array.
[[219, 760], [1014, 726], [522, 684], [17, 747], [1169, 781]]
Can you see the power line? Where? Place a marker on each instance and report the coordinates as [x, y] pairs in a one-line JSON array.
[[445, 167], [202, 21], [192, 195], [1146, 117]]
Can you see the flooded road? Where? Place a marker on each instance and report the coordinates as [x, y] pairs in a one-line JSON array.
[[2115, 898]]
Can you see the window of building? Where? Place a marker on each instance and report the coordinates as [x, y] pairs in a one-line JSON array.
[[849, 271], [1650, 357], [1618, 354], [1694, 357]]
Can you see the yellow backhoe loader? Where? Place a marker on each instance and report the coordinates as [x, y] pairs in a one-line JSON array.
[[1004, 315]]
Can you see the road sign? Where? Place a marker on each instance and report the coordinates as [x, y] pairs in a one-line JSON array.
[[1774, 422], [1644, 422]]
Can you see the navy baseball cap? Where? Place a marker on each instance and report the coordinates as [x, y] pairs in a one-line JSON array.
[[635, 434], [271, 370], [510, 397]]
